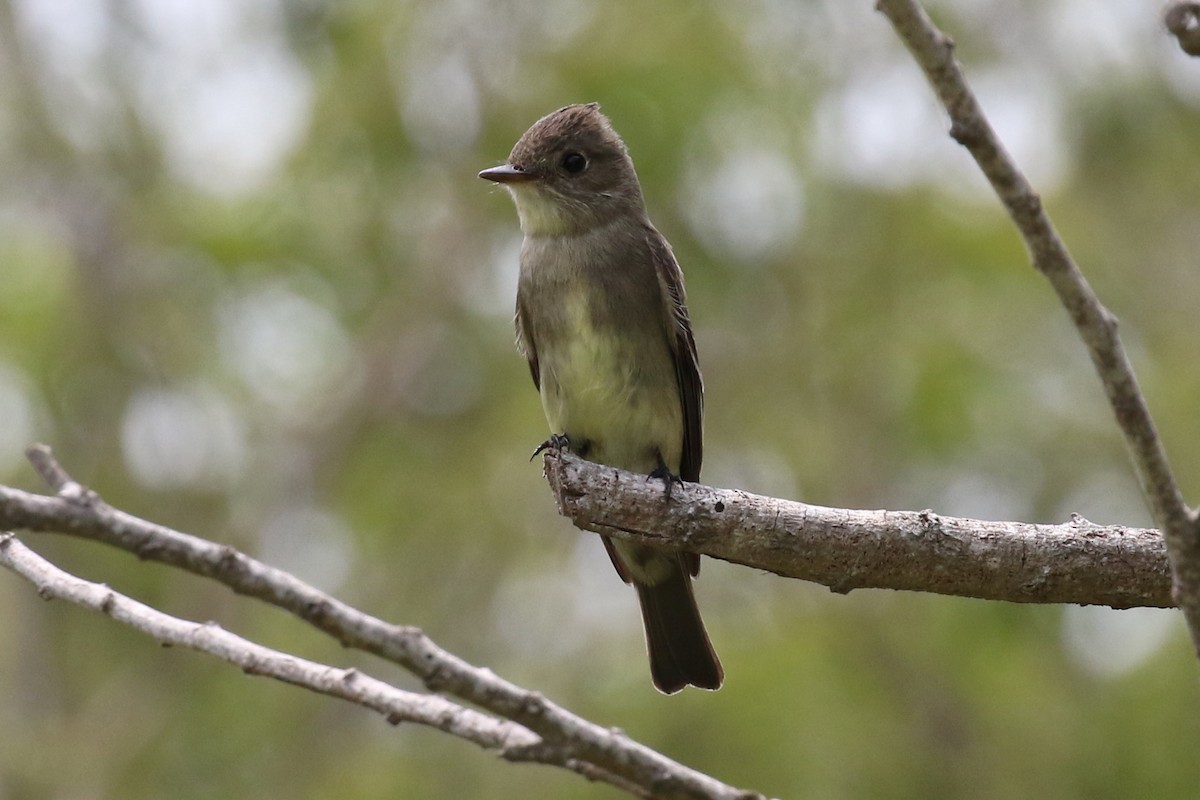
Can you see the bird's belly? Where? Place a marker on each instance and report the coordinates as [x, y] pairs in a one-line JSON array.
[[617, 394]]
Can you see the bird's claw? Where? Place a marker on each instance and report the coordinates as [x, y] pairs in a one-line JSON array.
[[664, 474], [557, 442]]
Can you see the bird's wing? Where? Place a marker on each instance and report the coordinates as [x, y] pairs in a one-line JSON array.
[[683, 352], [687, 366], [525, 343]]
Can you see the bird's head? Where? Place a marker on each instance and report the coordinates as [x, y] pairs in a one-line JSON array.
[[570, 172]]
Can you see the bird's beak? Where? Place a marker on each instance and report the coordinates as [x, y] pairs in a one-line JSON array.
[[506, 173]]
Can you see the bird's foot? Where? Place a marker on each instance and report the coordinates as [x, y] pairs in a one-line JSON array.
[[664, 474], [557, 442]]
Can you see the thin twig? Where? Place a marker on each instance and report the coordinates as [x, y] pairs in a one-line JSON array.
[[934, 53], [511, 741], [396, 705], [586, 747]]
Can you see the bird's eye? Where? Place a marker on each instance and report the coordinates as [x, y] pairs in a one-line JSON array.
[[574, 163]]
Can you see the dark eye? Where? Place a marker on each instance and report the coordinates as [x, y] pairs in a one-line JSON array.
[[574, 163]]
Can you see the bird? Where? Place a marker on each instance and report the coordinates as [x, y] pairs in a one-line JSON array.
[[601, 317]]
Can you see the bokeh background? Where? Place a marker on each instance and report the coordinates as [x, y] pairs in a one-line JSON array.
[[250, 287]]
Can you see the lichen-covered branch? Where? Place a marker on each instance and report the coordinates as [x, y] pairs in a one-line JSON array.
[[844, 549], [934, 53]]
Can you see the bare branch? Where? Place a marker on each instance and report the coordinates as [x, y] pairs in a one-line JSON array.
[[934, 52], [845, 549], [564, 738], [396, 705]]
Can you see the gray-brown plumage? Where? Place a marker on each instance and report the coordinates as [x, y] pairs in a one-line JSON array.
[[602, 320]]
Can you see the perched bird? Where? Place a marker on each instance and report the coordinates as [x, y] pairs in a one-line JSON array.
[[601, 318]]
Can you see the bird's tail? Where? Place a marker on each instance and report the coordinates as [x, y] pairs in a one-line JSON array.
[[679, 648]]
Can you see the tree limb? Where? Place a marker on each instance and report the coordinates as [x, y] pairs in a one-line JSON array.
[[934, 53], [561, 737], [845, 549], [397, 705]]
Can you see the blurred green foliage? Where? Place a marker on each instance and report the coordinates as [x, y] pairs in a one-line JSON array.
[[250, 287]]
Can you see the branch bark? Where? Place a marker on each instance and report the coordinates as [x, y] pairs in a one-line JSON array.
[[845, 549], [397, 705], [559, 737], [934, 53]]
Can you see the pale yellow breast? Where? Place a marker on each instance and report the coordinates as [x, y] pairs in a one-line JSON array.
[[617, 392]]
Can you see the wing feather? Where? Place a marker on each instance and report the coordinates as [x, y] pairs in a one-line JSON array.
[[687, 365], [525, 343]]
